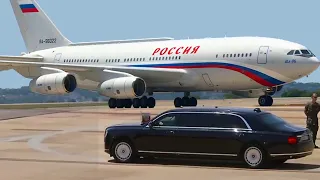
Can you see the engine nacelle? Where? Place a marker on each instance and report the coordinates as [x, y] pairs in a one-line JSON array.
[[123, 87], [56, 83]]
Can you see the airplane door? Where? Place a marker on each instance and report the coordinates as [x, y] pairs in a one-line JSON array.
[[57, 57], [263, 55], [207, 79]]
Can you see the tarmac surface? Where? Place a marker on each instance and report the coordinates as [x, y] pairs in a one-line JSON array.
[[67, 143]]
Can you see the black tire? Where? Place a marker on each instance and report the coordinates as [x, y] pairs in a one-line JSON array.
[[112, 103], [185, 101], [151, 102], [123, 151], [128, 103], [193, 101], [254, 156], [136, 103], [144, 102], [177, 102]]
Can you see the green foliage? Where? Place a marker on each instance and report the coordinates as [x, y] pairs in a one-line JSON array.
[[231, 96], [298, 93]]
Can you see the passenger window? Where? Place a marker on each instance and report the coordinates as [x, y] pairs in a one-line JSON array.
[[204, 120], [228, 121], [167, 120], [290, 52]]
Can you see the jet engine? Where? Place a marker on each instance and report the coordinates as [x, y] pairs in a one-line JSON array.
[[56, 83], [123, 87]]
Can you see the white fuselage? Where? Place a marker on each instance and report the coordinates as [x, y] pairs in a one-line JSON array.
[[231, 63]]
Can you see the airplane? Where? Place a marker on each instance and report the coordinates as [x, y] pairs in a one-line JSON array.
[[130, 71]]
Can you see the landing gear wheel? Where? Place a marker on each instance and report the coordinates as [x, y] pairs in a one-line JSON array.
[[270, 100], [265, 101], [136, 103], [128, 103], [254, 157], [144, 102], [120, 103], [185, 101], [112, 103], [177, 102], [151, 102], [123, 152], [193, 101]]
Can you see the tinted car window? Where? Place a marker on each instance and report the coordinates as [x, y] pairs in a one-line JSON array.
[[196, 120], [210, 120], [271, 119], [167, 120], [229, 121], [265, 122]]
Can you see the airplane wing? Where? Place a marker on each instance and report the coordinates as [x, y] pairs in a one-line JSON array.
[[148, 74]]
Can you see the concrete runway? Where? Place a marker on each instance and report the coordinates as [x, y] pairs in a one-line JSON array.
[[67, 144]]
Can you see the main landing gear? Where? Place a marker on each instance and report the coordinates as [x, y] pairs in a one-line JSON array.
[[142, 102], [265, 100], [185, 101]]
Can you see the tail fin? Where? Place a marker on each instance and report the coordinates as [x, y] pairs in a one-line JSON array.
[[37, 30]]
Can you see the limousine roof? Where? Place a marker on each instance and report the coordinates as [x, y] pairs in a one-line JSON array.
[[236, 110]]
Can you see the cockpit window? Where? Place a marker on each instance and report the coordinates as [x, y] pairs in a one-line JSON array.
[[311, 53], [297, 52], [290, 52], [301, 52], [304, 51]]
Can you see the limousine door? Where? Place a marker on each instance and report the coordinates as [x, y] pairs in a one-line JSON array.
[[209, 134], [159, 138]]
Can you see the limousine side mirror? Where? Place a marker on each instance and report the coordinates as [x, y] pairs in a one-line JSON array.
[[150, 125]]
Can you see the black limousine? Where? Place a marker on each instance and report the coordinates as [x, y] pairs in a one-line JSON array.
[[255, 137]]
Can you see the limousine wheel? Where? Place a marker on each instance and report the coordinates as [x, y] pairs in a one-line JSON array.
[[123, 151], [254, 156]]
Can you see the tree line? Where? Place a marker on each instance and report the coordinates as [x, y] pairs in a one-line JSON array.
[[298, 93]]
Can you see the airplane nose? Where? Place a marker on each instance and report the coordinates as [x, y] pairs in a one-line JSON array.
[[315, 61], [313, 64]]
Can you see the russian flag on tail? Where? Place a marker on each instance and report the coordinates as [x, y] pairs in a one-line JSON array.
[[28, 8]]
